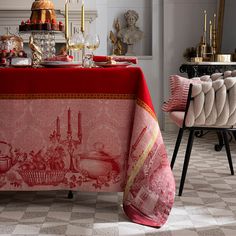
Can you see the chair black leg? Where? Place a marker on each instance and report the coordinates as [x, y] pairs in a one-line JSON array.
[[219, 146], [186, 161], [177, 144], [227, 148]]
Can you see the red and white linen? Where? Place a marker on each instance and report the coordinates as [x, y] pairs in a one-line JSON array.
[[128, 59], [87, 130]]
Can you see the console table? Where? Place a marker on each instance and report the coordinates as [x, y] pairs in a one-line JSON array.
[[196, 69]]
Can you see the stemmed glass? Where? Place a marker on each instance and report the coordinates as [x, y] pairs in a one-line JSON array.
[[92, 42], [76, 43]]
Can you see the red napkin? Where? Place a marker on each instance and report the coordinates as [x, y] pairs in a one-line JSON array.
[[133, 60]]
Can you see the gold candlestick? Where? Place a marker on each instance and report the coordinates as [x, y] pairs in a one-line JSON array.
[[214, 22], [210, 33], [205, 28], [214, 35], [82, 17], [82, 29], [205, 21], [67, 20]]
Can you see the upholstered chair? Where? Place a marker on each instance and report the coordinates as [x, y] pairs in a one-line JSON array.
[[211, 105]]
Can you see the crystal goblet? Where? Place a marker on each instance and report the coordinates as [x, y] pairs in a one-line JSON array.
[[76, 44], [92, 42]]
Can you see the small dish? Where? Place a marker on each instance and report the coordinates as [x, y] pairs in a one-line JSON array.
[[118, 64], [21, 66], [60, 64]]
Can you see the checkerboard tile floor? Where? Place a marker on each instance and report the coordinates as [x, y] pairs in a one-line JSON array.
[[207, 207]]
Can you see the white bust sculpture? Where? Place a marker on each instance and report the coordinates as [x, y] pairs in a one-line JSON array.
[[130, 34]]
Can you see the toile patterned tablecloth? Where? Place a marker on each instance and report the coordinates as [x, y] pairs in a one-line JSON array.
[[87, 130]]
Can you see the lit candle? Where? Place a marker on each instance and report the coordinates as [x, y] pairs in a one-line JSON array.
[[82, 17], [67, 20], [210, 33], [205, 20]]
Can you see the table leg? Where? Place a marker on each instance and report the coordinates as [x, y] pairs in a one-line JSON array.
[[70, 195], [200, 133], [234, 134]]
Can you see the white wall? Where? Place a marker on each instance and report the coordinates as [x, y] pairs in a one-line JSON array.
[[101, 26], [155, 80], [183, 27], [229, 32]]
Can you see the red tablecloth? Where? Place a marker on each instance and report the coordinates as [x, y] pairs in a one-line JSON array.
[[88, 130]]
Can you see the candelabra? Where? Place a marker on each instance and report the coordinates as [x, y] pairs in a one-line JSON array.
[[70, 143], [204, 50]]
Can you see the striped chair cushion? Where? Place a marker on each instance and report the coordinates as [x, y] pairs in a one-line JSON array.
[[179, 87]]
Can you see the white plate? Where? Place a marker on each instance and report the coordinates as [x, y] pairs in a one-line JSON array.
[[118, 64], [21, 66], [60, 64]]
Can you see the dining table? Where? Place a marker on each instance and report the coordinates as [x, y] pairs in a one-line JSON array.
[[85, 129]]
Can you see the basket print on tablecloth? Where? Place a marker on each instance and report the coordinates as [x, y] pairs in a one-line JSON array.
[[57, 164], [38, 177]]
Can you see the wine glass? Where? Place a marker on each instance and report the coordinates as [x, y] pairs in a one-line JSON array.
[[92, 42], [76, 43]]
